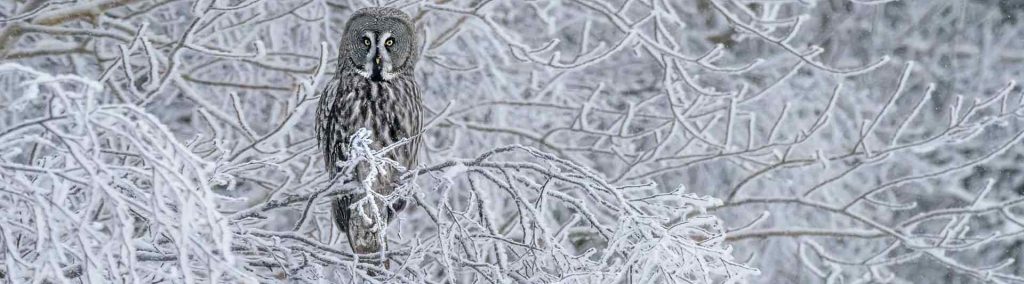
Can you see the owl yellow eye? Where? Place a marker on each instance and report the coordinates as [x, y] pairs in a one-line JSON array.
[[366, 41], [389, 42]]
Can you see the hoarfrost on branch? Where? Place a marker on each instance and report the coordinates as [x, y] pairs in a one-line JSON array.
[[582, 141]]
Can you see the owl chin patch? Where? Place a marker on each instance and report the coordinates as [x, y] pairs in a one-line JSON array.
[[377, 75]]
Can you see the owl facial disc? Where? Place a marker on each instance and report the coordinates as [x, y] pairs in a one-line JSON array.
[[378, 60]]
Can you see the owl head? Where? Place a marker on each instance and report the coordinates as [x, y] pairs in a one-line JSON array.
[[380, 43]]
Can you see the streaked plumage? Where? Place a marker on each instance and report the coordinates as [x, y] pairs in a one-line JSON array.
[[374, 88]]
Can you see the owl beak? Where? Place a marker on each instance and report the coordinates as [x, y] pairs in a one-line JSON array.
[[377, 60]]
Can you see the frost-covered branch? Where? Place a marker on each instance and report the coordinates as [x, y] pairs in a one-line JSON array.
[[873, 141]]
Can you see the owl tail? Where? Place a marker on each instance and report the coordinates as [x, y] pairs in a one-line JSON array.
[[365, 235]]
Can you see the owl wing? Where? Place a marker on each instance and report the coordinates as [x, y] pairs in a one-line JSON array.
[[330, 136], [407, 124]]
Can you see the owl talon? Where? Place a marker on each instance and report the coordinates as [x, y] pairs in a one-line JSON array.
[[394, 208], [341, 211]]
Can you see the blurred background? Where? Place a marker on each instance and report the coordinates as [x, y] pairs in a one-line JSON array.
[[842, 141]]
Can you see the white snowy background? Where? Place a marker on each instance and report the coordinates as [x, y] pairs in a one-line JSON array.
[[573, 141]]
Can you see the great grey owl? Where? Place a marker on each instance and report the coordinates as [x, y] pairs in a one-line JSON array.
[[374, 88]]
